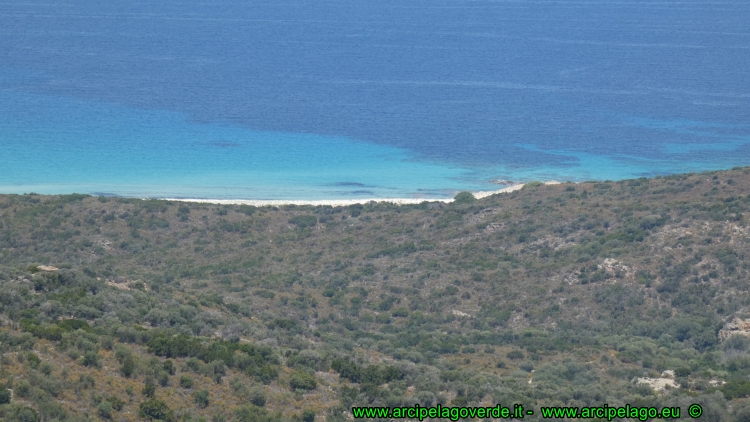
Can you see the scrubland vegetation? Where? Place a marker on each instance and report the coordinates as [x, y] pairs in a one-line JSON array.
[[124, 309]]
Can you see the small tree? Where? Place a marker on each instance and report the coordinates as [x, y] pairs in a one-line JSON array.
[[28, 414], [302, 381], [682, 372], [149, 390], [186, 381], [303, 221], [33, 360], [169, 366], [22, 388], [515, 354], [90, 358], [258, 396], [464, 198], [308, 416], [533, 184], [5, 395], [104, 409], [155, 409], [201, 398], [128, 366]]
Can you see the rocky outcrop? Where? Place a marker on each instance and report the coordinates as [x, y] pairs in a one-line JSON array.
[[737, 326], [660, 385]]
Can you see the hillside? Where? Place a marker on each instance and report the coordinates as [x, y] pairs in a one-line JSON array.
[[126, 309]]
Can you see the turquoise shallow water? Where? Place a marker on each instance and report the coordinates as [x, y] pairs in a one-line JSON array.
[[57, 145], [61, 145], [53, 144]]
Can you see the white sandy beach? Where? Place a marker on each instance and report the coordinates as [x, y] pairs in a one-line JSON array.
[[345, 202]]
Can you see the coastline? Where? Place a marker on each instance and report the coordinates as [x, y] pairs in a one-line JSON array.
[[346, 202]]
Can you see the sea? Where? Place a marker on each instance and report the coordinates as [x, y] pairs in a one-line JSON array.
[[350, 99]]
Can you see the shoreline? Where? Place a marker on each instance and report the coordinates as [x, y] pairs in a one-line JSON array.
[[345, 202]]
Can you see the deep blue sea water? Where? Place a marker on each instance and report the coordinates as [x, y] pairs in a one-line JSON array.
[[358, 99]]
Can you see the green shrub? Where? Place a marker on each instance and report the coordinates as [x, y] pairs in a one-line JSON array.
[[383, 319], [90, 358], [104, 409], [515, 354], [28, 414], [194, 365], [372, 374], [33, 360], [50, 385], [149, 390], [247, 209], [459, 401], [736, 389], [269, 295], [533, 184], [464, 198], [400, 313], [86, 381], [186, 381], [153, 409], [116, 402], [302, 381], [169, 366], [22, 388], [308, 416], [127, 368], [303, 221], [257, 396], [121, 352], [254, 414], [263, 361], [4, 395], [215, 370], [405, 248], [682, 372], [347, 369], [201, 398], [108, 342]]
